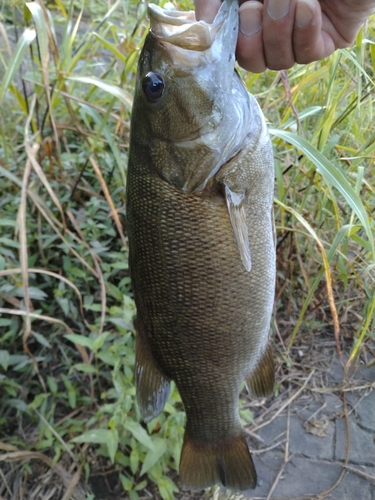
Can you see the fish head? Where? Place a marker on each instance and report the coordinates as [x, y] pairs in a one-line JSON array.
[[190, 105]]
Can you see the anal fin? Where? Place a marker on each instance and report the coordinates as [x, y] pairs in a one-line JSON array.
[[237, 215], [262, 380], [152, 386]]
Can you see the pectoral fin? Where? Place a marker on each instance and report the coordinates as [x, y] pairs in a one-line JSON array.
[[262, 380], [152, 385], [237, 215]]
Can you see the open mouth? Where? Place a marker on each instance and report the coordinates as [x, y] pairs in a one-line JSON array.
[[181, 28]]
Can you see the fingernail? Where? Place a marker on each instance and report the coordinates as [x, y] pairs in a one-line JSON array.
[[251, 18], [277, 9], [304, 12]]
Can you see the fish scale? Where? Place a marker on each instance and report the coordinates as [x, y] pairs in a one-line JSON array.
[[201, 255]]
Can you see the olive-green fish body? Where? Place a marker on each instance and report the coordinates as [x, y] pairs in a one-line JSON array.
[[202, 252]]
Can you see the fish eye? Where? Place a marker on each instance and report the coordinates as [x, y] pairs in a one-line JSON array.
[[153, 87]]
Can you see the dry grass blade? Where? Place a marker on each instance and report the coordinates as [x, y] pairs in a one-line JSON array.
[[4, 37], [286, 404], [48, 319], [65, 446], [358, 472], [327, 270], [73, 483], [54, 223], [7, 447], [45, 40], [39, 171], [5, 484], [95, 258], [51, 220], [287, 457], [109, 200], [17, 270], [21, 217], [26, 456]]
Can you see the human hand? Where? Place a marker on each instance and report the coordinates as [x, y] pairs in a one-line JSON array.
[[275, 34]]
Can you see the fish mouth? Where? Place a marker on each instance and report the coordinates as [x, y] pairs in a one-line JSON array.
[[179, 31]]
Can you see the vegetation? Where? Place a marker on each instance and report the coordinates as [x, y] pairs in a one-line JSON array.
[[66, 307]]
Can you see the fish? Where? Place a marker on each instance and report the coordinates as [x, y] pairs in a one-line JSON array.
[[199, 211]]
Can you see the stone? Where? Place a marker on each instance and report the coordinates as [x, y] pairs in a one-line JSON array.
[[354, 487], [306, 443], [273, 432], [303, 477], [267, 466], [362, 445], [366, 412], [334, 405]]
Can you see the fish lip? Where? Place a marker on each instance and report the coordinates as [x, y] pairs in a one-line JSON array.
[[181, 29]]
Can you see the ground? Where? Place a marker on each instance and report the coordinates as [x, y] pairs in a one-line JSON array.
[[315, 440]]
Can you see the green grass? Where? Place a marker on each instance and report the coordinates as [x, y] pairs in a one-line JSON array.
[[66, 310]]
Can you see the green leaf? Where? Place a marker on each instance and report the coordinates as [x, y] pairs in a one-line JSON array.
[[127, 483], [52, 384], [99, 341], [114, 291], [19, 405], [96, 436], [167, 488], [139, 433], [141, 485], [333, 176], [110, 47], [117, 92], [133, 495], [42, 31], [8, 222], [38, 400], [302, 115], [108, 358], [85, 368], [4, 359], [80, 340], [41, 339], [134, 460], [112, 443], [23, 44], [152, 456], [9, 243], [72, 397]]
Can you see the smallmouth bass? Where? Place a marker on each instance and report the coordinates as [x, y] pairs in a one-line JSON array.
[[201, 239]]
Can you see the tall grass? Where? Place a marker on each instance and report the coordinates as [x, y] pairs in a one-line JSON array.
[[66, 309], [321, 120]]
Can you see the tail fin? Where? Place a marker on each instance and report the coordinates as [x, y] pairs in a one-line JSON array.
[[226, 462]]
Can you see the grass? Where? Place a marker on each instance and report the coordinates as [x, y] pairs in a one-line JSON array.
[[66, 308]]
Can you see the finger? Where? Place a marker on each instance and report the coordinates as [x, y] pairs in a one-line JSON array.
[[278, 24], [342, 19], [310, 43], [206, 10], [250, 38]]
